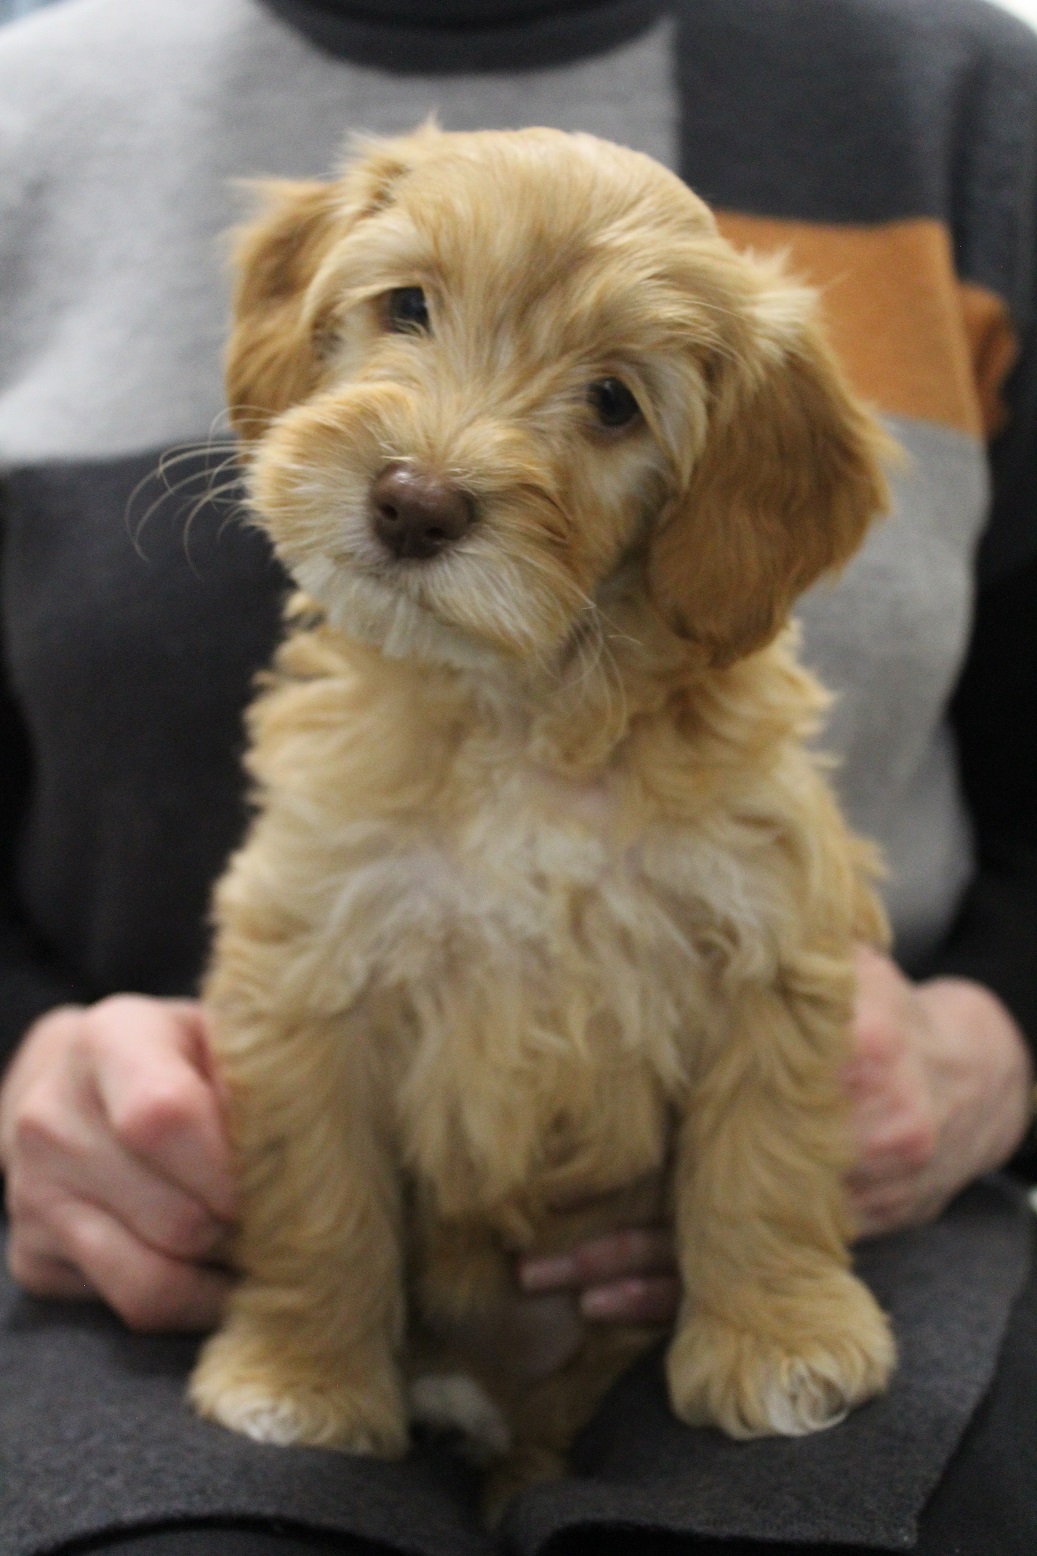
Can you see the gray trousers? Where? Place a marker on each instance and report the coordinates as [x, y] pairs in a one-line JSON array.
[[97, 1446]]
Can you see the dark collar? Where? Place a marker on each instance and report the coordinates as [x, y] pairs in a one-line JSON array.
[[423, 37]]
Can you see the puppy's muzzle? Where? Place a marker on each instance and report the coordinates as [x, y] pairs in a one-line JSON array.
[[417, 515]]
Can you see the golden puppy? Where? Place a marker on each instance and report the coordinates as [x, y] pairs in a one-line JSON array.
[[544, 924]]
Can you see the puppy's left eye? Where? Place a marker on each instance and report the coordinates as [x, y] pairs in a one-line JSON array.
[[613, 403], [406, 310]]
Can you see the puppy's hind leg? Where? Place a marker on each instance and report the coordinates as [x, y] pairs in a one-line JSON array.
[[308, 1349]]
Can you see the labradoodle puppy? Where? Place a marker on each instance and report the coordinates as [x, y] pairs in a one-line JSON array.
[[544, 922]]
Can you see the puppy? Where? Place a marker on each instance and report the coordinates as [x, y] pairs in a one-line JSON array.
[[544, 922]]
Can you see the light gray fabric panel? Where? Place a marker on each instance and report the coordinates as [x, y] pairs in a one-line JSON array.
[[115, 343], [121, 138], [888, 638]]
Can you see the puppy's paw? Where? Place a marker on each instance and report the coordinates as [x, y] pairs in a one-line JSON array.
[[800, 1368], [259, 1395]]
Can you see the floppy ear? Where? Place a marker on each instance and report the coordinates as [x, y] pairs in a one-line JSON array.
[[785, 487], [273, 356]]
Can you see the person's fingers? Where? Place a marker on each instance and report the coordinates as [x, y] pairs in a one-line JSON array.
[[149, 1290], [35, 1267], [72, 1248], [893, 1208], [873, 1176], [153, 1208], [902, 1152], [645, 1299], [161, 1108], [631, 1251], [895, 1130], [68, 1153]]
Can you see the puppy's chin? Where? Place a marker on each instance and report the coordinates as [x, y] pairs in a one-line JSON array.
[[375, 612]]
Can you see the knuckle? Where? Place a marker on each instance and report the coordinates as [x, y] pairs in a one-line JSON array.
[[107, 1024], [150, 1117], [88, 1040], [113, 1007], [915, 1145], [36, 1127]]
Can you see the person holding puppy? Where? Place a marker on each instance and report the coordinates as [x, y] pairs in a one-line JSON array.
[[124, 692]]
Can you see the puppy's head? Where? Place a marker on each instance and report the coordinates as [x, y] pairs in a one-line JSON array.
[[479, 377]]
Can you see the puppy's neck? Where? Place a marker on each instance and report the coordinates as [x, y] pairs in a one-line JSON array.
[[569, 712], [619, 667]]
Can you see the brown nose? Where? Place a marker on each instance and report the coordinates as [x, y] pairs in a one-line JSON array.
[[417, 515]]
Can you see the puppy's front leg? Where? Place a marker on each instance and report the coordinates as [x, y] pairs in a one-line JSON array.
[[307, 1350], [775, 1336]]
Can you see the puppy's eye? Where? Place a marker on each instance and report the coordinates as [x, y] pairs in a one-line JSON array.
[[406, 310], [613, 403]]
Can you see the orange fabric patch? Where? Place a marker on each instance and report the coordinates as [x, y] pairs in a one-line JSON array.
[[914, 339]]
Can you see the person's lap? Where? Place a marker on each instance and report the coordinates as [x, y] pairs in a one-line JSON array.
[[225, 1540], [985, 1503]]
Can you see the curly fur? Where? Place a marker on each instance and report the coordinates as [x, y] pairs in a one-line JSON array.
[[544, 923]]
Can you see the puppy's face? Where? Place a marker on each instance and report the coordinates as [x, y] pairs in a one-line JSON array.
[[483, 376]]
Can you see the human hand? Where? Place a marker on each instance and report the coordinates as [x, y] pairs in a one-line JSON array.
[[117, 1163], [628, 1276], [941, 1091]]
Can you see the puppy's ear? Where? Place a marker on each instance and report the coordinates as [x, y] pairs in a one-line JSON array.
[[273, 356], [785, 487]]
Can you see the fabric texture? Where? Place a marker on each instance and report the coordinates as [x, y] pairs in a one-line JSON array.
[[416, 39], [150, 1460], [890, 1452]]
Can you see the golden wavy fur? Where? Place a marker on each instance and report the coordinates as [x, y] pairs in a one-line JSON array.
[[544, 923]]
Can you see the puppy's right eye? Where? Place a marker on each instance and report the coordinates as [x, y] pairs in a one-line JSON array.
[[406, 311], [613, 403]]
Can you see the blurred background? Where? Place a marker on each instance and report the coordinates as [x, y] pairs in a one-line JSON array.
[[9, 9]]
